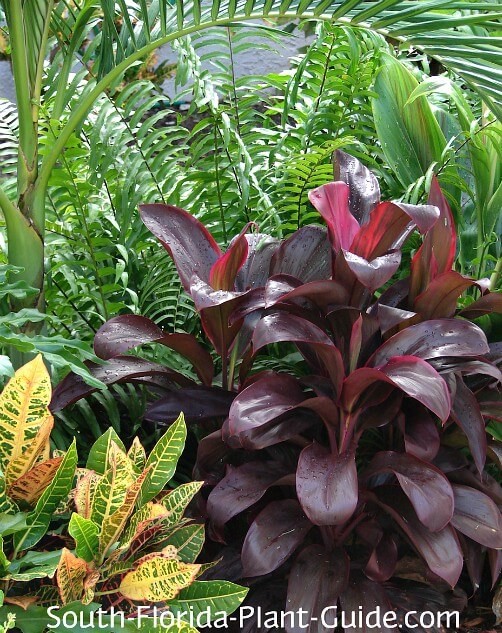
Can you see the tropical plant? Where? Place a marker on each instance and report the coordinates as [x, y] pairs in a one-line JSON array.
[[145, 27], [121, 539], [361, 458]]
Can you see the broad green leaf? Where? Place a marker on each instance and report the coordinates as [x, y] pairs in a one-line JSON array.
[[85, 532], [215, 595], [188, 540], [409, 134], [6, 368], [176, 502], [58, 490], [6, 504], [12, 523], [163, 460], [23, 409], [99, 455], [4, 561], [157, 579], [35, 619]]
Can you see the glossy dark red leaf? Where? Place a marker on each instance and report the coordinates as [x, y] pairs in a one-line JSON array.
[[414, 376], [477, 516], [241, 488], [327, 485], [322, 293], [440, 550], [440, 298], [383, 559], [224, 270], [433, 339], [273, 536], [117, 370], [362, 598], [316, 580], [332, 202], [124, 332], [198, 404], [189, 243], [283, 327], [389, 226], [425, 486], [256, 269], [489, 303], [467, 414], [364, 190], [421, 435], [266, 413], [305, 255], [375, 273]]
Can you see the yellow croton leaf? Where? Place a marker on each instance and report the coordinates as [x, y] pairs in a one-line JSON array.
[[71, 574], [23, 409], [31, 485], [87, 481], [142, 519], [157, 579], [38, 447]]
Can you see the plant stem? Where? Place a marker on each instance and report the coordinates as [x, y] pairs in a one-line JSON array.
[[494, 279]]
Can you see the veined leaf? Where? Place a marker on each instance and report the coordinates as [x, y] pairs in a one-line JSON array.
[[6, 505], [137, 455], [157, 579], [23, 409], [176, 502], [146, 513], [20, 465], [84, 493], [85, 532], [215, 595], [29, 487], [111, 490], [70, 575], [113, 525], [163, 460], [188, 541], [38, 520], [99, 455]]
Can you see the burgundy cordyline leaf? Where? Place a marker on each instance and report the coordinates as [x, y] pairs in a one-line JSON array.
[[282, 327], [393, 320], [224, 270], [364, 190], [467, 415], [362, 597], [327, 485], [425, 486], [255, 271], [421, 436], [116, 370], [332, 202], [440, 550], [197, 404], [412, 375], [280, 286], [495, 558], [322, 293], [432, 339], [124, 332], [440, 298], [489, 303], [212, 452], [266, 412], [305, 255], [477, 516], [273, 536], [475, 559], [317, 579], [389, 226], [382, 562], [240, 489], [375, 273], [189, 243]]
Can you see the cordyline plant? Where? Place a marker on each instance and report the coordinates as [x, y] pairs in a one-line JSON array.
[[366, 475], [121, 539]]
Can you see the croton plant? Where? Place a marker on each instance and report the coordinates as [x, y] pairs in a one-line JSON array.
[[362, 479]]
